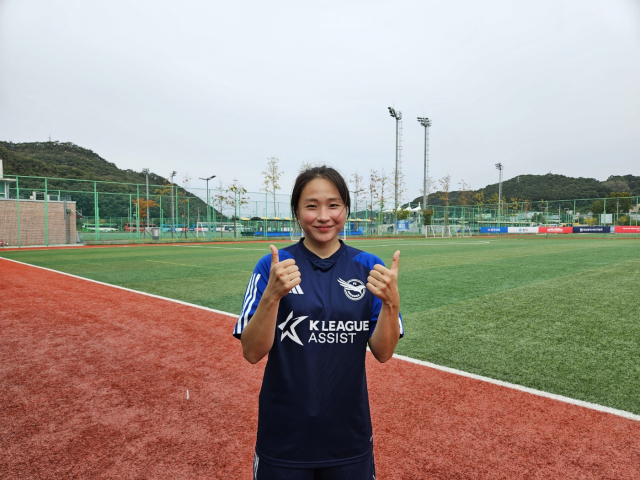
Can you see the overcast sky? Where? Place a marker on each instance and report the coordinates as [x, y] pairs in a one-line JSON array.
[[215, 88]]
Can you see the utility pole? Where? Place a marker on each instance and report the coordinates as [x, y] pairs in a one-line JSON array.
[[173, 174], [500, 168], [426, 123], [208, 217], [397, 114]]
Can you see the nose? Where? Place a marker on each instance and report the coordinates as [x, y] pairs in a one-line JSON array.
[[323, 214]]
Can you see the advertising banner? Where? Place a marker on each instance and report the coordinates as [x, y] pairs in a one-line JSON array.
[[627, 229], [556, 229], [523, 229], [593, 229], [403, 225], [494, 229]]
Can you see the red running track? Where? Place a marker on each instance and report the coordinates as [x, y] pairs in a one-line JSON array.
[[94, 383]]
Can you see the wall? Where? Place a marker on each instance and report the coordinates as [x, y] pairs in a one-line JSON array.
[[32, 222]]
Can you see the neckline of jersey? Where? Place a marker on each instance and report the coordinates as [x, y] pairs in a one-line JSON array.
[[316, 259]]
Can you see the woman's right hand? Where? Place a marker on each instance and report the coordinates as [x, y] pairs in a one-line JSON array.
[[283, 275]]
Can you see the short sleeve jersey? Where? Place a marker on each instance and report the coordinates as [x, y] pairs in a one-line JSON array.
[[314, 404]]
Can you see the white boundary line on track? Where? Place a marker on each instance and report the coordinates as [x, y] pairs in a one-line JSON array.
[[539, 393], [124, 288], [533, 391]]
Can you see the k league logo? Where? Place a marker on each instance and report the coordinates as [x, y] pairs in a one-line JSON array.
[[289, 329], [354, 289]]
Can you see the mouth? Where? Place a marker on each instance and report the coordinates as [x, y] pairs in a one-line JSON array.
[[323, 228]]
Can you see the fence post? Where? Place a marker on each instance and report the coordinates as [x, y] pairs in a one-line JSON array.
[[46, 212], [265, 222], [604, 215], [161, 215], [96, 212], [208, 215], [137, 213], [18, 209]]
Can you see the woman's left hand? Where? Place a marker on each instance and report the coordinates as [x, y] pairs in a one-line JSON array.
[[383, 282]]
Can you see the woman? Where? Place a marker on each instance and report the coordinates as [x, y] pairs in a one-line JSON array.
[[313, 307]]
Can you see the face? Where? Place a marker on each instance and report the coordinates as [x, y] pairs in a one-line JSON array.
[[321, 212]]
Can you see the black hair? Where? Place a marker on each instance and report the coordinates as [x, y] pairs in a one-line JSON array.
[[325, 172]]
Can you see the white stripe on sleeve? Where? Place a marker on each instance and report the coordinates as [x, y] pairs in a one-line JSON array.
[[250, 304], [247, 294]]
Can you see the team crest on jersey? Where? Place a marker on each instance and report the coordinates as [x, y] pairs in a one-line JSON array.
[[354, 289]]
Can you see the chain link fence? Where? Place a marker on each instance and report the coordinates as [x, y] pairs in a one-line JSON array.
[[59, 211]]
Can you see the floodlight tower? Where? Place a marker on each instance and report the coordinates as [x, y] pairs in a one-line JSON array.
[[426, 123], [208, 217], [500, 168], [146, 174], [173, 174], [397, 114]]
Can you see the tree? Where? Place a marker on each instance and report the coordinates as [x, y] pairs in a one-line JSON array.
[[184, 201], [427, 215], [403, 213], [356, 181], [166, 190], [143, 204], [384, 182], [443, 193], [617, 185], [235, 200], [479, 198], [617, 202], [465, 193], [271, 178], [373, 189], [303, 167], [220, 200], [430, 183]]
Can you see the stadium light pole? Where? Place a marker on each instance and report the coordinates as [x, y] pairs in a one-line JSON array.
[[208, 217], [173, 174], [500, 168], [426, 123], [397, 114], [146, 174]]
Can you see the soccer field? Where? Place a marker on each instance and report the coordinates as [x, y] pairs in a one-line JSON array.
[[558, 315]]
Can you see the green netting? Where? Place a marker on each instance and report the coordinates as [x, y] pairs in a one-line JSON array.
[[56, 211]]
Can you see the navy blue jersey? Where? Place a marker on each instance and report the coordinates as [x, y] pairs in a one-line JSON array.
[[314, 405]]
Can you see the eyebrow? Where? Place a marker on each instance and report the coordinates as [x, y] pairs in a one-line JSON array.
[[311, 199]]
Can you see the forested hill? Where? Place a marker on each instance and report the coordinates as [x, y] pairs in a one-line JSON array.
[[63, 163], [65, 160], [544, 187]]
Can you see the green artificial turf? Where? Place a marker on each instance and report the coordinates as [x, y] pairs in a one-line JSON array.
[[559, 315]]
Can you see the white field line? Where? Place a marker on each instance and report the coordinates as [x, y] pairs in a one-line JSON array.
[[426, 244], [224, 248], [532, 391]]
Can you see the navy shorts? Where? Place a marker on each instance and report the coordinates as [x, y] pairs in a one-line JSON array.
[[362, 470]]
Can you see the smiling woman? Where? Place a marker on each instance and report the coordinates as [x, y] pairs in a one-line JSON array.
[[314, 407], [320, 203]]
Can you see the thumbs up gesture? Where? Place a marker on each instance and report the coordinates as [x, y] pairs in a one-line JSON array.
[[383, 282], [283, 275]]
